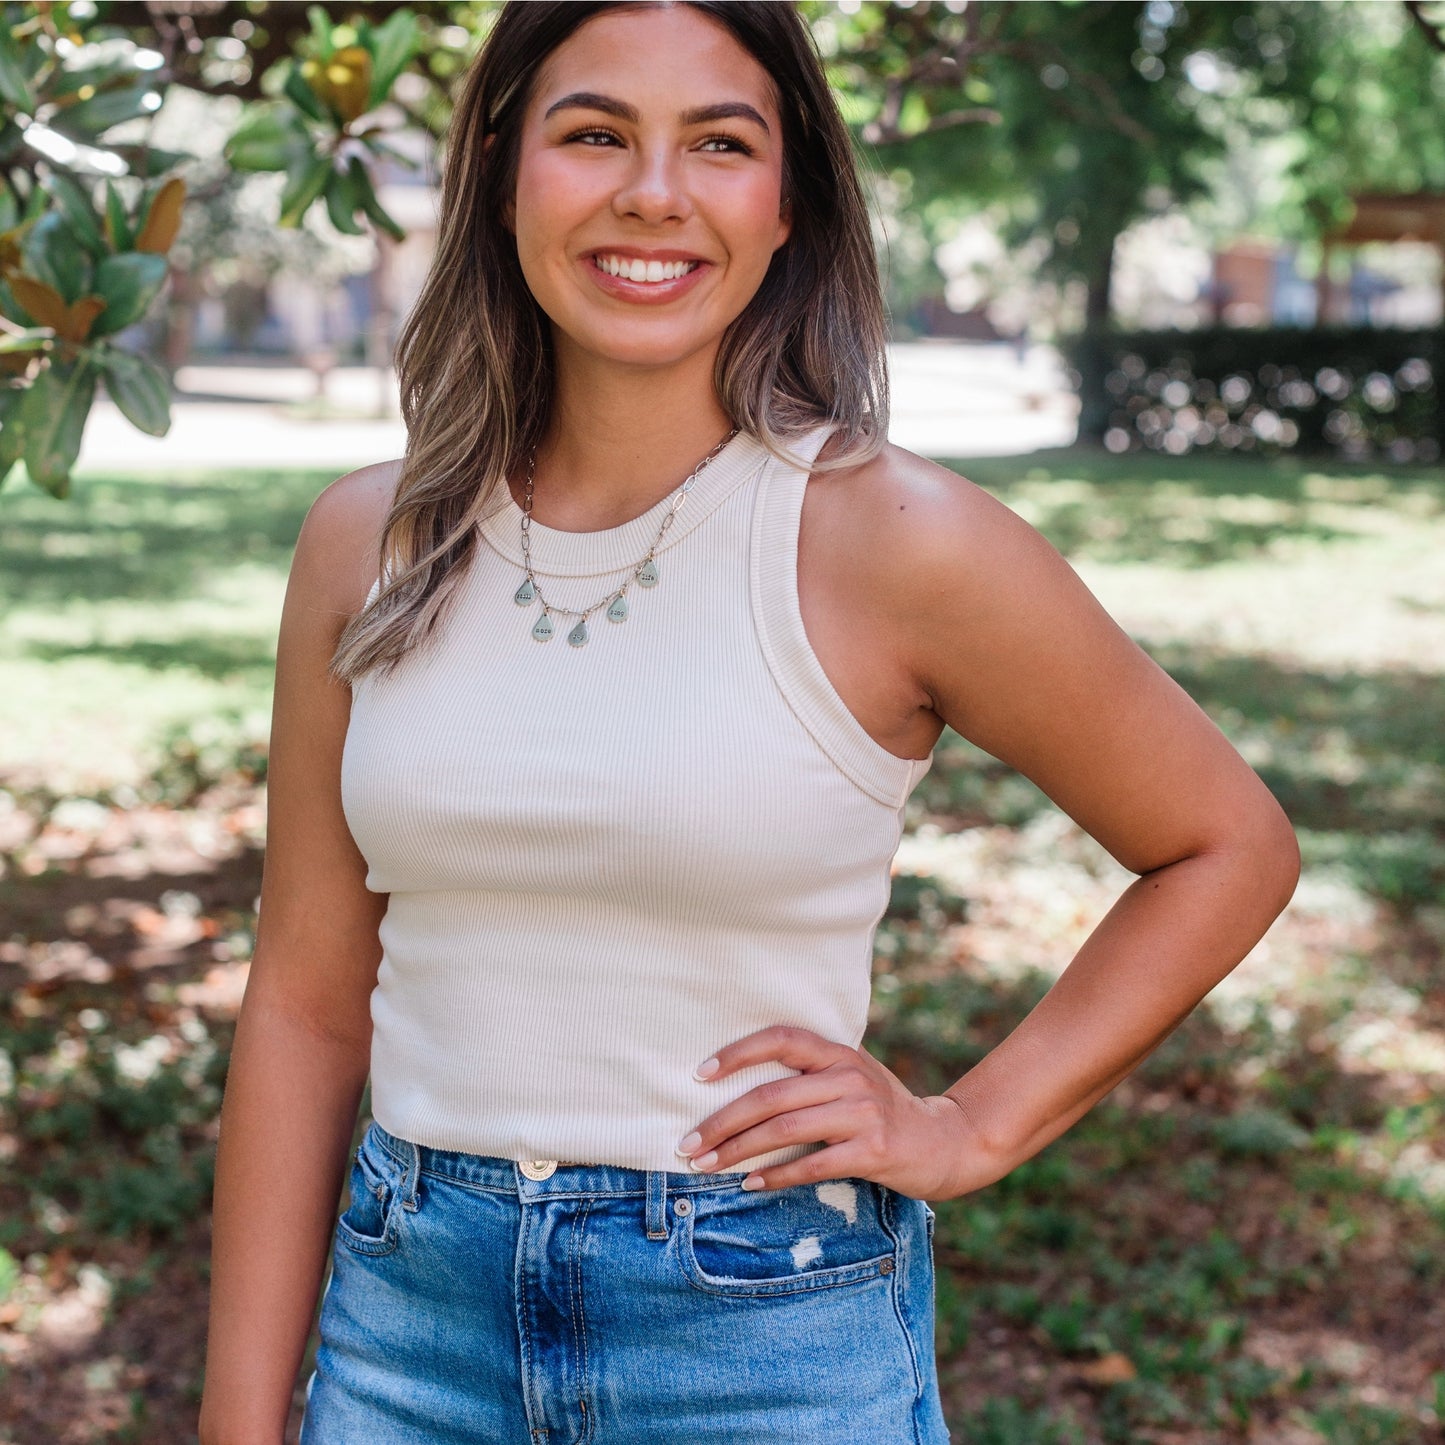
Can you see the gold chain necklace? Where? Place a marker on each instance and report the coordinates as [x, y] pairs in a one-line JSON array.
[[645, 573]]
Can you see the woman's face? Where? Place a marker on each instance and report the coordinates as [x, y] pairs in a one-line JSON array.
[[620, 166]]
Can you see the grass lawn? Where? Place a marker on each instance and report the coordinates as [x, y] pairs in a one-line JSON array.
[[1244, 1243]]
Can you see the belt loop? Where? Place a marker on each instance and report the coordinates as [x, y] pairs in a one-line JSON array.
[[412, 1182], [656, 1204]]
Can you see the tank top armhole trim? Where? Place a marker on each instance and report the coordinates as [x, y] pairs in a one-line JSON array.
[[794, 665]]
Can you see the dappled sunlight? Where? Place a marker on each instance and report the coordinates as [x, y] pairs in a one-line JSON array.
[[1243, 1241]]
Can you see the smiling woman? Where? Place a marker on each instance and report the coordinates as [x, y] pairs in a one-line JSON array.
[[597, 918]]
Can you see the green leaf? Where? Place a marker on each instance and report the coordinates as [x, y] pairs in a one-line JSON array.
[[139, 388], [320, 31], [268, 138], [392, 47], [77, 209], [14, 88], [147, 161], [343, 199], [381, 148], [100, 74], [303, 96], [129, 284], [373, 208], [9, 208], [54, 254], [52, 418], [12, 437], [88, 118], [117, 222], [28, 339], [304, 183]]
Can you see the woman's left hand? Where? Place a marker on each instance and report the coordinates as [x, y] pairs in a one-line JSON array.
[[873, 1127]]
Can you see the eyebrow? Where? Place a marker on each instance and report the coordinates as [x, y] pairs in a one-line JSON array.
[[699, 115]]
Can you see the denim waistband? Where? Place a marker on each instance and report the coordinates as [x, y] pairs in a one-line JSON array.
[[487, 1171]]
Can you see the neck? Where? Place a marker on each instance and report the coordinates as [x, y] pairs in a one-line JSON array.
[[621, 439]]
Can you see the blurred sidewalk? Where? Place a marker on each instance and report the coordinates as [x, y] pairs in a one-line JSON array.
[[949, 400]]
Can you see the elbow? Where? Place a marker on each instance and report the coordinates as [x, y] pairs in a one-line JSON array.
[[1270, 853]]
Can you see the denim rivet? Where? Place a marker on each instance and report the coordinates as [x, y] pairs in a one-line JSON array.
[[886, 1267], [684, 1206]]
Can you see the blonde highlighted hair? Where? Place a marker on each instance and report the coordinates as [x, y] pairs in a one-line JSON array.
[[474, 356]]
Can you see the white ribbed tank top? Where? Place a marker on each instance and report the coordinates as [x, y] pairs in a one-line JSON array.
[[606, 862]]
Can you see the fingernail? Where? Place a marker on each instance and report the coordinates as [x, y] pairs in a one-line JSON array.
[[706, 1069], [753, 1181], [704, 1161], [686, 1146]]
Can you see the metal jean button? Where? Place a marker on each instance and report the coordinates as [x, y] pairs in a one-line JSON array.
[[538, 1168]]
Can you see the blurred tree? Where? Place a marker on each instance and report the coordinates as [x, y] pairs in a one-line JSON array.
[[1069, 118], [87, 213], [1072, 119]]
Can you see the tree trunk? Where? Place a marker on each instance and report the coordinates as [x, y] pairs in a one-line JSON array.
[[1095, 355]]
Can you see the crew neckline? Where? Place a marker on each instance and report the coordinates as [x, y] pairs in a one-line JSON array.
[[556, 553]]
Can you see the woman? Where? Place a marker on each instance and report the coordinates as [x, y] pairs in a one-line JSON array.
[[594, 906]]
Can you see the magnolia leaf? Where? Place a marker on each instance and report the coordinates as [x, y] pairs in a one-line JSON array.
[[268, 138], [42, 303], [86, 119], [55, 254], [163, 219], [299, 91], [373, 208], [392, 46], [140, 389], [77, 209], [304, 183], [343, 199], [14, 88], [129, 284], [117, 222], [52, 418]]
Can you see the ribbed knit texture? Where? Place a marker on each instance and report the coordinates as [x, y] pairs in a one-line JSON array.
[[606, 862]]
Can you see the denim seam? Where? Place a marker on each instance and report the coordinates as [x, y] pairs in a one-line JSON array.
[[579, 1314], [901, 1252], [364, 1244]]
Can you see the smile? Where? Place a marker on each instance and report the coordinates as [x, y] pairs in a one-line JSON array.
[[646, 272]]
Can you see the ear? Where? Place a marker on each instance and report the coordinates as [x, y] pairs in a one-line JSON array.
[[785, 222], [509, 215]]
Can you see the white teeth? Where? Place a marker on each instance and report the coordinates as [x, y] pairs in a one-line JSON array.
[[638, 270]]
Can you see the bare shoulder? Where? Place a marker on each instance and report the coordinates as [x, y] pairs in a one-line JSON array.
[[336, 553], [919, 526]]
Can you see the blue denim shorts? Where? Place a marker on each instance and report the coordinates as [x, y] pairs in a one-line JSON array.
[[472, 1302]]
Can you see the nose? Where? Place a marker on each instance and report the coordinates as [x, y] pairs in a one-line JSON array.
[[655, 187]]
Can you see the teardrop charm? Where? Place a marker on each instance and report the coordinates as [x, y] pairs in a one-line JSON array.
[[544, 629], [647, 574], [578, 635], [525, 593], [618, 611]]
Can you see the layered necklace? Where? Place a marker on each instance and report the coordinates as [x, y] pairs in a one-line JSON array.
[[644, 573]]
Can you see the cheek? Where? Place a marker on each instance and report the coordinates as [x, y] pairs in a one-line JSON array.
[[551, 199]]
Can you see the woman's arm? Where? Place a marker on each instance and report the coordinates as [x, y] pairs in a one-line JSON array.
[[1009, 648], [302, 1046]]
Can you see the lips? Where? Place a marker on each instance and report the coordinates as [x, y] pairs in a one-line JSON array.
[[624, 287], [644, 269]]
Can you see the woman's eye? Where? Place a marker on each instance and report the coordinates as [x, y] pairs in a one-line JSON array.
[[731, 140]]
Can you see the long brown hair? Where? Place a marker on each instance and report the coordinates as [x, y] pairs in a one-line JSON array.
[[474, 356]]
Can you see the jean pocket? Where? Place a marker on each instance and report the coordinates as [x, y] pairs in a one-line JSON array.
[[749, 1244], [369, 1224]]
